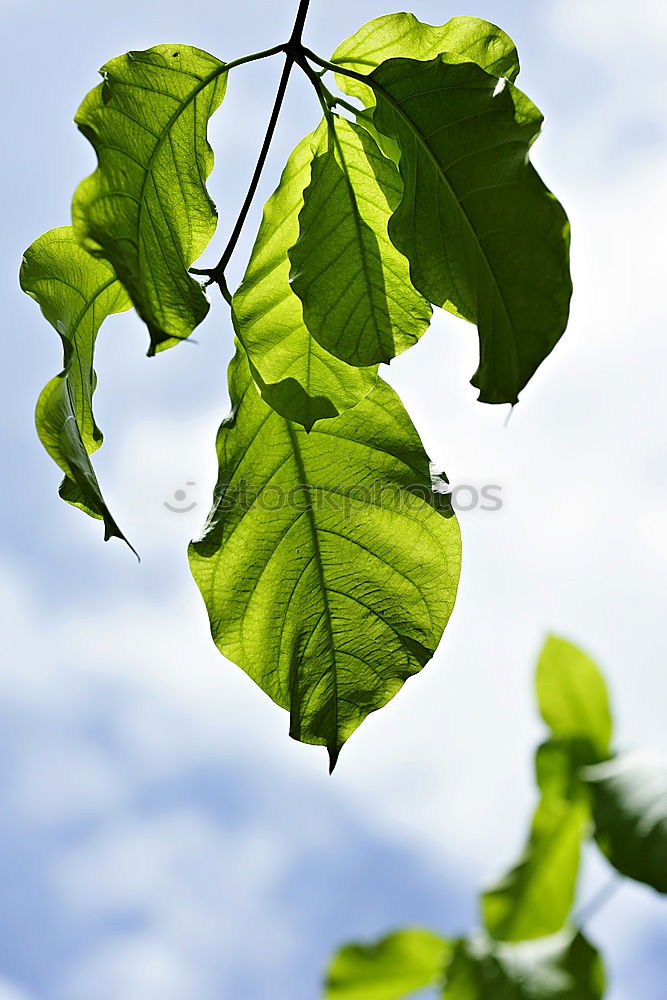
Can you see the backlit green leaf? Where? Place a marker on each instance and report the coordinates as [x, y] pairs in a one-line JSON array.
[[394, 36], [297, 377], [534, 899], [146, 209], [328, 566], [572, 695], [75, 293], [358, 300], [392, 968], [630, 809], [483, 235], [561, 967]]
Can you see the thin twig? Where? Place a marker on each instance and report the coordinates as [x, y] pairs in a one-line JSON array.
[[292, 49], [600, 899]]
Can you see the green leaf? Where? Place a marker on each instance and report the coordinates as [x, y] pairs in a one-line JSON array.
[[535, 898], [75, 293], [146, 208], [394, 36], [358, 300], [572, 695], [392, 968], [630, 810], [484, 236], [561, 967], [328, 565], [296, 377]]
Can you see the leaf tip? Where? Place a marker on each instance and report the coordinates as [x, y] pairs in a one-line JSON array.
[[334, 753]]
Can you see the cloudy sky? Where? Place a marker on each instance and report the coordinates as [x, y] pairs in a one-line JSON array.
[[161, 838]]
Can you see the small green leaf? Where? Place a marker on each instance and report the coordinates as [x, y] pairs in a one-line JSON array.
[[484, 236], [572, 695], [358, 300], [561, 967], [297, 377], [146, 208], [629, 796], [75, 293], [394, 36], [535, 898], [392, 968], [328, 566]]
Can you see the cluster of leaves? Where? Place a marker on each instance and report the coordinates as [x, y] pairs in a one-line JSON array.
[[530, 947], [419, 194]]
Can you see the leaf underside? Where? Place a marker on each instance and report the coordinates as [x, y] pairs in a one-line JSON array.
[[358, 300], [629, 796], [146, 209], [297, 377], [328, 566], [483, 235], [75, 293], [564, 966]]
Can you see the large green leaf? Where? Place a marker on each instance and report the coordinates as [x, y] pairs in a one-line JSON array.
[[358, 300], [572, 695], [535, 898], [394, 36], [75, 293], [630, 809], [483, 235], [297, 377], [392, 968], [146, 209], [328, 566], [561, 967]]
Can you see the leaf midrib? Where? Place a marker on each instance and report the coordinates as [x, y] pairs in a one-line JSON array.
[[312, 524]]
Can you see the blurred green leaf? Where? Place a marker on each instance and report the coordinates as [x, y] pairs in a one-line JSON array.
[[484, 236], [392, 968], [328, 566], [561, 967], [629, 796], [572, 695], [394, 36], [146, 208], [534, 899], [75, 293], [358, 300], [297, 377]]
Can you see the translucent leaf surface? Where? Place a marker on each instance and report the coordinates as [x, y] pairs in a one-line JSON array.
[[146, 209], [358, 300], [389, 969], [572, 695], [395, 36], [75, 293], [534, 899], [483, 235], [328, 566], [296, 376]]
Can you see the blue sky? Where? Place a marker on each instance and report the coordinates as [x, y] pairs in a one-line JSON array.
[[161, 838]]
